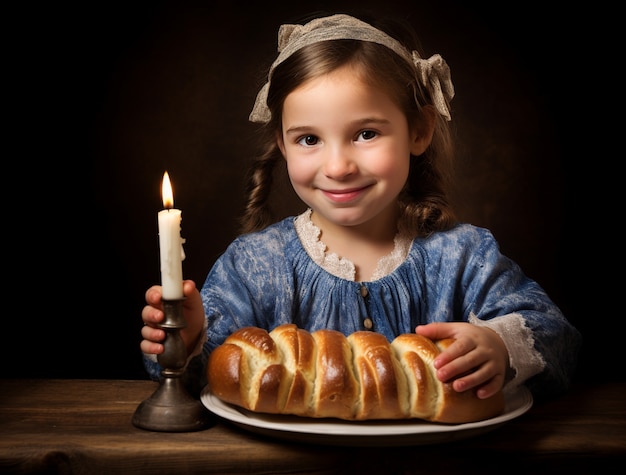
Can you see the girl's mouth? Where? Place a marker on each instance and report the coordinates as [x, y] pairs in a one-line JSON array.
[[344, 196]]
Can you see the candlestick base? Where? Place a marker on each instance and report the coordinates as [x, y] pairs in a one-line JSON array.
[[171, 408]]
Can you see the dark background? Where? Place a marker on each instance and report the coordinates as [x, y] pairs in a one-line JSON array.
[[104, 97]]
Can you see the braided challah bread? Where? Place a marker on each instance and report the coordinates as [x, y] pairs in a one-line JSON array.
[[326, 374]]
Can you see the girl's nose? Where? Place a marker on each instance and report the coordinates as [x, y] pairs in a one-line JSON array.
[[339, 163]]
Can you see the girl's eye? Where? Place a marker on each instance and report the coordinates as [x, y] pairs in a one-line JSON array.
[[308, 140], [367, 135]]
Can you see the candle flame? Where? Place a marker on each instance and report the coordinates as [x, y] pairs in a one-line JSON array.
[[166, 192]]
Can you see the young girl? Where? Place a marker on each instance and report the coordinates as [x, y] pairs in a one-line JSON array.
[[361, 120]]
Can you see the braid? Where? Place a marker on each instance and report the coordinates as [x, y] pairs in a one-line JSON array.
[[257, 212], [430, 215], [424, 200]]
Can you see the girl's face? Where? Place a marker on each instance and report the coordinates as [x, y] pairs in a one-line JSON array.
[[347, 147]]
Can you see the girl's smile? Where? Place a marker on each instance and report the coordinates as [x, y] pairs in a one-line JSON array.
[[345, 196]]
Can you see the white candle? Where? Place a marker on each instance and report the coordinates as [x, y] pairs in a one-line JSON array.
[[171, 245]]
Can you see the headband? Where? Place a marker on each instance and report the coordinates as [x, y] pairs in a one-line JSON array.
[[433, 73]]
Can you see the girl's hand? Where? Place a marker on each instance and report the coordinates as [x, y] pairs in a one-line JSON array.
[[477, 359], [152, 314]]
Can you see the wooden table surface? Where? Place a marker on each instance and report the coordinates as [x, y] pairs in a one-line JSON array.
[[85, 427]]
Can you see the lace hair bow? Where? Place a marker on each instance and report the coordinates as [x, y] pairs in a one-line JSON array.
[[433, 73]]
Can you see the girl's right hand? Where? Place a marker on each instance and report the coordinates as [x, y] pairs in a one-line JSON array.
[[152, 315]]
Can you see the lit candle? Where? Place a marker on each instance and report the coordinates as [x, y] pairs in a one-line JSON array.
[[171, 245]]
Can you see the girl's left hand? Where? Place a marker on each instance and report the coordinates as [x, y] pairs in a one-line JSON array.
[[478, 358]]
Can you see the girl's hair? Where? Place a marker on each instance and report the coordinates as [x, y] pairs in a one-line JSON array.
[[424, 201]]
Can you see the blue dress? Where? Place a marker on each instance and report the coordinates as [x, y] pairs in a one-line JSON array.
[[267, 278]]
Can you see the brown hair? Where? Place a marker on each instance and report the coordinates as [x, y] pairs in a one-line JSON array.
[[424, 200]]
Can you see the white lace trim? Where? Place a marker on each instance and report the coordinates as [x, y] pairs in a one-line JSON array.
[[343, 268], [524, 360]]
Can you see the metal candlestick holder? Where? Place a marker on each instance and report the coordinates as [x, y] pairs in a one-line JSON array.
[[171, 408]]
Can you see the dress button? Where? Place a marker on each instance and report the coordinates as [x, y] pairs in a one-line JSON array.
[[364, 291], [368, 324]]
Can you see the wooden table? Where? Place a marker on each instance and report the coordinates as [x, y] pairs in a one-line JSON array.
[[84, 427]]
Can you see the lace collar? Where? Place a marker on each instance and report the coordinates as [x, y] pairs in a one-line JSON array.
[[309, 235]]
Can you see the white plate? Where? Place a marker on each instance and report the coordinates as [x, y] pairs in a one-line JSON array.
[[363, 433]]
